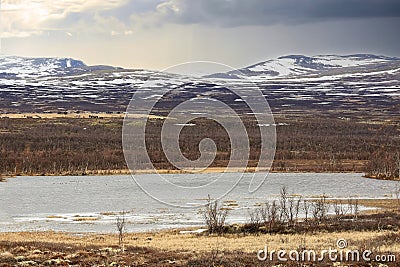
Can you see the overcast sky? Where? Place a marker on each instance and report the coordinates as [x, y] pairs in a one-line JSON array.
[[158, 33]]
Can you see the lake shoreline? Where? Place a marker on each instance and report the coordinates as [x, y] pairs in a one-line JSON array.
[[166, 171], [101, 199]]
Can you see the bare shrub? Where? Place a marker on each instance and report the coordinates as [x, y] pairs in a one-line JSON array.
[[290, 210], [283, 203], [214, 216], [272, 212], [350, 205], [397, 194], [356, 209], [353, 207], [340, 209], [320, 208], [293, 209], [256, 216], [289, 207], [120, 223], [306, 208], [267, 215]]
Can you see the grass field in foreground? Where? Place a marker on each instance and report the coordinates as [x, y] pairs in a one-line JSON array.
[[170, 248]]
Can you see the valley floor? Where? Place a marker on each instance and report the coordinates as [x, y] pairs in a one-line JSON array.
[[57, 144]]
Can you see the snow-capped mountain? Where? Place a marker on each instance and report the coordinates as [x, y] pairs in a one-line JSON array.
[[349, 84], [24, 67], [300, 65]]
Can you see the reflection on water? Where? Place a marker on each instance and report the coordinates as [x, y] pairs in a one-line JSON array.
[[92, 203]]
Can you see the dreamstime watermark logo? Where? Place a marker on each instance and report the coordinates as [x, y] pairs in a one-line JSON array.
[[177, 97], [340, 253]]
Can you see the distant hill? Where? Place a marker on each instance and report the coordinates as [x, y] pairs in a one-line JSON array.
[[300, 65], [25, 67], [348, 85]]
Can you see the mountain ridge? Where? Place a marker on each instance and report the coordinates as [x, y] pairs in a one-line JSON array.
[[353, 83], [297, 65], [283, 66], [31, 67]]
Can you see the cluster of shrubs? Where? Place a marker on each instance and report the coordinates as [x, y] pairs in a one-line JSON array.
[[294, 214]]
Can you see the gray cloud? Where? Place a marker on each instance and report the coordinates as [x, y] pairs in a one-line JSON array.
[[266, 12], [237, 32], [37, 16]]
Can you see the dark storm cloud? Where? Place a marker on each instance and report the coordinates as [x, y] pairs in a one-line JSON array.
[[266, 12]]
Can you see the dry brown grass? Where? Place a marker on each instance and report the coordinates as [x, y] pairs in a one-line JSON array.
[[169, 248], [174, 241], [386, 204]]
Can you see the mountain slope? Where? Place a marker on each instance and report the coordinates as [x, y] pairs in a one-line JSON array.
[[300, 65], [345, 85], [24, 67]]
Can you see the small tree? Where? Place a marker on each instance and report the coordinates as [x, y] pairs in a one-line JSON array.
[[120, 223], [297, 208], [283, 201], [306, 205], [356, 209]]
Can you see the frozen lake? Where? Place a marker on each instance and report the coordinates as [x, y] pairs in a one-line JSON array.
[[91, 203]]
